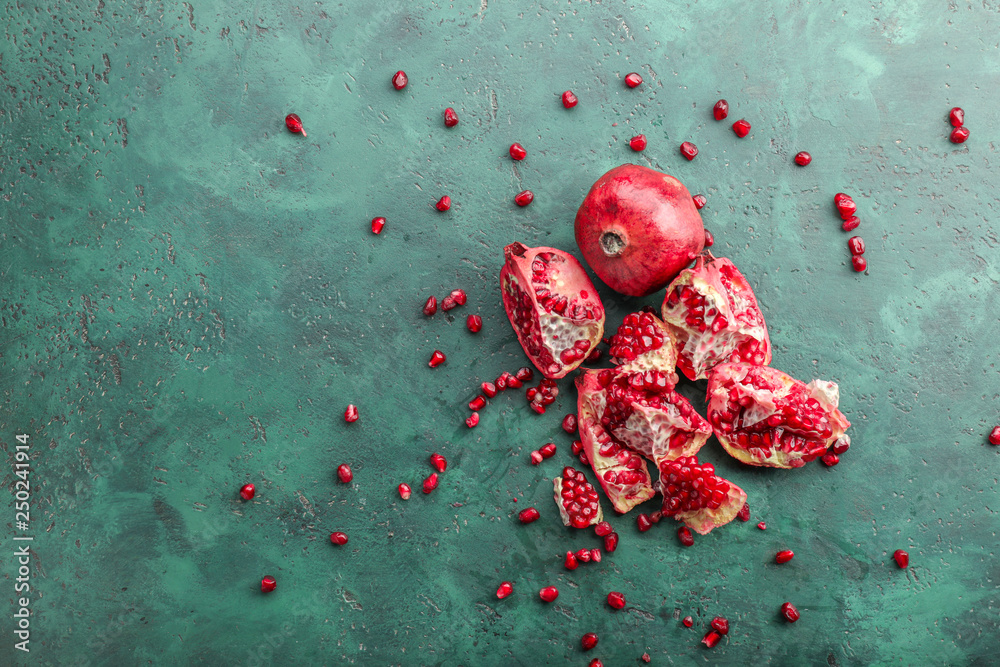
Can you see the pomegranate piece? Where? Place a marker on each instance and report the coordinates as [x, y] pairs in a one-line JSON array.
[[720, 625], [902, 558], [856, 245], [685, 537], [643, 523], [711, 639], [399, 80], [643, 338], [450, 117], [474, 323], [784, 556], [294, 124], [789, 611], [344, 473], [638, 142], [576, 499], [588, 641], [694, 494], [548, 450], [528, 515], [764, 417], [489, 389], [611, 542], [443, 204], [616, 600], [437, 358], [505, 589], [548, 594], [431, 306], [377, 225], [958, 136], [351, 414], [713, 315], [699, 201], [689, 150], [603, 528], [994, 438], [552, 305], [859, 263], [569, 100], [687, 621], [404, 491], [830, 459], [524, 197], [247, 492], [338, 538], [741, 128], [472, 420], [720, 110], [430, 483], [956, 117], [803, 159], [744, 513], [268, 584], [850, 224], [569, 423], [439, 462], [633, 79], [517, 151], [570, 562]]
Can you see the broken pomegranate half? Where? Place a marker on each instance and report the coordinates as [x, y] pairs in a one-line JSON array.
[[694, 494], [576, 499]]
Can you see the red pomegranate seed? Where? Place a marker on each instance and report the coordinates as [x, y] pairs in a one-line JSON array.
[[548, 450], [709, 239], [958, 136], [513, 382], [377, 225], [472, 420], [505, 589], [741, 128], [689, 150], [802, 158], [569, 100], [338, 538], [569, 423], [474, 323], [595, 663], [611, 542], [654, 517], [841, 445], [351, 414], [594, 356], [603, 528], [443, 204], [477, 404], [762, 525], [570, 562], [720, 625], [850, 224], [643, 522], [595, 555], [448, 303], [688, 621], [524, 374], [517, 151], [247, 492], [548, 594], [344, 473], [856, 245], [399, 80], [616, 600], [685, 536], [268, 584], [405, 491], [859, 263], [450, 117], [536, 457], [720, 110], [830, 459], [902, 558], [431, 306], [784, 556], [638, 142], [437, 358], [431, 482], [294, 124], [645, 657], [489, 389], [583, 555], [524, 197], [633, 79], [583, 457], [995, 436], [956, 116], [576, 447], [744, 513], [845, 207], [528, 515], [439, 462], [588, 641], [789, 611], [459, 295], [711, 639], [699, 201]]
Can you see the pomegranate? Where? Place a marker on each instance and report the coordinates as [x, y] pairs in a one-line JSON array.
[[859, 263], [603, 528], [789, 611], [741, 128], [842, 444], [588, 641], [439, 462], [377, 225], [548, 450], [525, 374], [505, 589], [762, 525], [450, 117], [744, 513], [644, 337], [477, 404], [443, 204], [830, 459], [431, 306], [845, 205], [856, 245], [638, 142], [685, 537], [569, 100], [524, 197], [517, 151], [437, 358], [694, 494], [958, 136], [709, 239], [687, 621], [294, 124], [247, 492], [576, 499], [850, 224], [399, 80], [430, 483], [344, 473], [803, 159], [720, 110], [637, 228], [720, 625], [268, 584], [596, 662], [472, 420], [699, 201], [616, 600], [569, 423], [994, 437], [552, 305], [765, 417], [404, 491], [489, 389], [689, 150], [784, 556], [528, 515], [338, 538], [548, 594], [633, 79], [643, 523], [956, 117], [611, 542], [570, 562], [595, 555], [902, 558], [474, 323], [583, 555], [536, 457], [351, 414], [711, 639]]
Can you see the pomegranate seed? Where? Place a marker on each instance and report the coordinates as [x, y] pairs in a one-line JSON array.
[[685, 536], [443, 204], [611, 542], [489, 389], [448, 303], [569, 100], [709, 239], [654, 517], [474, 323], [789, 611], [856, 245], [576, 447], [956, 116], [505, 589], [841, 198], [548, 594], [638, 142], [720, 625], [583, 555], [472, 420], [513, 382], [450, 117], [399, 80], [616, 600], [405, 491], [437, 358], [569, 423], [689, 150], [588, 641], [633, 79], [958, 136], [344, 473], [528, 515], [859, 263], [431, 482], [583, 457], [268, 584], [338, 538], [784, 556], [643, 522], [802, 158], [688, 621], [741, 128], [850, 224], [762, 525], [524, 197], [377, 225], [595, 663], [524, 374], [699, 201], [595, 555], [459, 295], [711, 639], [603, 528], [830, 459], [548, 450], [995, 436], [439, 462], [536, 457], [594, 356], [247, 492], [431, 306], [645, 657], [902, 558], [570, 561], [845, 207], [841, 445], [351, 414], [477, 404], [517, 151], [744, 513], [294, 124], [720, 110]]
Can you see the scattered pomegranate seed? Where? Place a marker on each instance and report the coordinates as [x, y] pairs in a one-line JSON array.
[[720, 625], [633, 79], [784, 556], [611, 542], [437, 358], [477, 404], [638, 142], [789, 611], [569, 423], [655, 517], [711, 639], [583, 555], [472, 420], [643, 522], [294, 124], [443, 204], [524, 197], [524, 374], [594, 356], [830, 459], [405, 491], [474, 323], [687, 621], [576, 447], [956, 116], [439, 462], [377, 225], [247, 492], [741, 128], [570, 561], [528, 515], [344, 473], [958, 136], [720, 110], [459, 295], [450, 117], [399, 80], [268, 584], [517, 151], [841, 445], [603, 528], [902, 558], [431, 482], [689, 150], [685, 536], [709, 239], [645, 657], [338, 538], [448, 303], [595, 663], [616, 600], [505, 589], [744, 513], [351, 414], [588, 641], [536, 457], [859, 263], [856, 245], [995, 436], [595, 555], [548, 450], [569, 100], [802, 158], [548, 594], [430, 306], [845, 206], [489, 389], [850, 224], [699, 201], [762, 525]]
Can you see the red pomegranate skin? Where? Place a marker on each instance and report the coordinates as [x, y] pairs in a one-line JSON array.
[[638, 228]]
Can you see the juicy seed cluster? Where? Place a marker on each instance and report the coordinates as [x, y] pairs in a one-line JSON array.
[[651, 388], [637, 334], [690, 486], [579, 498]]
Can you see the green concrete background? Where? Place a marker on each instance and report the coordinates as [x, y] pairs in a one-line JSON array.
[[191, 297]]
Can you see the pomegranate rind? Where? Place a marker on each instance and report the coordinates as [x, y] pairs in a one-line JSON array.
[[621, 473], [726, 292], [767, 392], [555, 343], [557, 488]]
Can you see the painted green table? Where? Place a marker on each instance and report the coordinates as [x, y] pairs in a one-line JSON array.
[[192, 296]]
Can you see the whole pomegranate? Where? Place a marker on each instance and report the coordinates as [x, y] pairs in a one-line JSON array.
[[637, 228]]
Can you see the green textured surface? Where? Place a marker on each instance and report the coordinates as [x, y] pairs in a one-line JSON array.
[[191, 297]]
